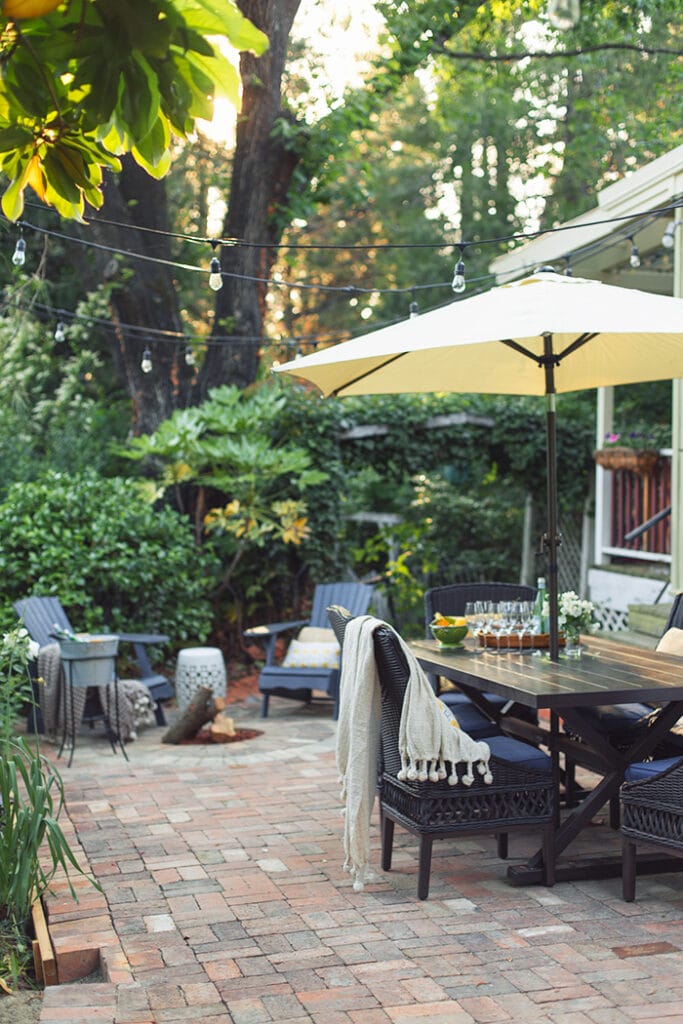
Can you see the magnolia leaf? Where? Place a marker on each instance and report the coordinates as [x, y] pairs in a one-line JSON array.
[[153, 153], [13, 196], [15, 137], [58, 177], [225, 77], [36, 177], [227, 20], [139, 98]]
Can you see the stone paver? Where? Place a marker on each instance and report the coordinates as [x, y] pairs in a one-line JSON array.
[[224, 900]]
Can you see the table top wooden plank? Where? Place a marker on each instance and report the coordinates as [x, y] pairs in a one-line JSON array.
[[608, 672]]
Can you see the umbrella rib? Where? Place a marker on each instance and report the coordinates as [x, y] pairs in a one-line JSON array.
[[581, 340], [520, 348], [368, 373]]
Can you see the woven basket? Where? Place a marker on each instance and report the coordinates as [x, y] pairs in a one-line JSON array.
[[538, 640], [641, 461]]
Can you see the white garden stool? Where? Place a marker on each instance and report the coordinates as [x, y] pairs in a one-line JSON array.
[[195, 667]]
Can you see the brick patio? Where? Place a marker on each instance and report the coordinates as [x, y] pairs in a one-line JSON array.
[[224, 900]]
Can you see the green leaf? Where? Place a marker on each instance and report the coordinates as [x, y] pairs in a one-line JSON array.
[[154, 147], [13, 196], [15, 137], [226, 19], [58, 177], [139, 98]]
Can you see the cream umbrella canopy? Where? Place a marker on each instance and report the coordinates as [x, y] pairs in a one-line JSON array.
[[542, 335]]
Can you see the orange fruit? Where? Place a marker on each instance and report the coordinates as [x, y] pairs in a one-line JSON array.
[[21, 9]]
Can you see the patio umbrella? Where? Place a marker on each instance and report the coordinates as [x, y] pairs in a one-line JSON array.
[[542, 335]]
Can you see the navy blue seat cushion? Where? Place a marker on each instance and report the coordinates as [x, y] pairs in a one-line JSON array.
[[641, 770], [470, 719], [519, 753], [618, 719], [453, 697]]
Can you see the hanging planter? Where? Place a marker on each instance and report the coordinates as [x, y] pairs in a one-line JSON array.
[[637, 460]]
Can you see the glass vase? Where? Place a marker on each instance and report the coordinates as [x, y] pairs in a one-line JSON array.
[[572, 642]]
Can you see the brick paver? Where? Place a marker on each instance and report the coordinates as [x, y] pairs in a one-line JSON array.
[[224, 900]]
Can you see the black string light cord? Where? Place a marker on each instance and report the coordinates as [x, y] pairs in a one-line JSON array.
[[636, 222]]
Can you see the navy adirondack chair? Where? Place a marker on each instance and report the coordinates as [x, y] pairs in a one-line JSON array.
[[296, 682], [41, 614]]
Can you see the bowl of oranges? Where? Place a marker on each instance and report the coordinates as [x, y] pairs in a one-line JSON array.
[[449, 631]]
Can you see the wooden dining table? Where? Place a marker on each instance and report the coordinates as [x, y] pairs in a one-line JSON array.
[[608, 672]]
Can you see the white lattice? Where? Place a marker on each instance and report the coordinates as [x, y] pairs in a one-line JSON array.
[[611, 620]]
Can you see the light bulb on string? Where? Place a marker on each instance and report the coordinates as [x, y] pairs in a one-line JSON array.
[[413, 310], [564, 14], [146, 363], [60, 332], [668, 236], [215, 276], [19, 254], [458, 284], [568, 272], [189, 356], [634, 258]]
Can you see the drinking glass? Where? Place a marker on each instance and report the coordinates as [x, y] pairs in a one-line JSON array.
[[508, 620], [476, 620], [525, 614]]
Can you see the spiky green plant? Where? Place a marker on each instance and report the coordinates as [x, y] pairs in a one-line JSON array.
[[33, 846]]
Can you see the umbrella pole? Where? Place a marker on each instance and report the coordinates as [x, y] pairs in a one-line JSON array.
[[551, 469]]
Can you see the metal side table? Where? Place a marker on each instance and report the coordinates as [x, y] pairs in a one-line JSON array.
[[90, 661]]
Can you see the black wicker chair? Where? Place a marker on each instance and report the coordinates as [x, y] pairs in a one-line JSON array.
[[652, 813], [520, 797], [451, 599], [623, 724]]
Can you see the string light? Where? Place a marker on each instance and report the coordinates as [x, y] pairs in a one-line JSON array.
[[60, 332], [215, 277], [19, 255], [458, 283], [189, 356], [413, 310], [668, 239], [634, 258], [568, 272], [146, 363]]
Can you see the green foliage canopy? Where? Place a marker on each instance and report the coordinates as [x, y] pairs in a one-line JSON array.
[[111, 558], [98, 78]]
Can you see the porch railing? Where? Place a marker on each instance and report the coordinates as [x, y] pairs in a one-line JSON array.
[[640, 513]]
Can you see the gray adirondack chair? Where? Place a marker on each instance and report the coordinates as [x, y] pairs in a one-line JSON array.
[[299, 683], [41, 614]]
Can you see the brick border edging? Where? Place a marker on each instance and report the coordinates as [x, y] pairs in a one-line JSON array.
[[82, 931]]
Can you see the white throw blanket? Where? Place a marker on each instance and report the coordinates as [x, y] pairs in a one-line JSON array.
[[429, 739]]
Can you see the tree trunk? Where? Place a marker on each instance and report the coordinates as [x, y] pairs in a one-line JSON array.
[[147, 298], [261, 178]]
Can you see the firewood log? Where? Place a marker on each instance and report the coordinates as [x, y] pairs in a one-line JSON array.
[[201, 709]]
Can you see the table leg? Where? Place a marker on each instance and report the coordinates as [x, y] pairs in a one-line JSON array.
[[615, 762]]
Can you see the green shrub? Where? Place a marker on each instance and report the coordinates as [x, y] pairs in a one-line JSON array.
[[113, 560]]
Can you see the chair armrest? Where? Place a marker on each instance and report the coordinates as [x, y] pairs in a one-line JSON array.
[[268, 634], [140, 642], [263, 632], [144, 638]]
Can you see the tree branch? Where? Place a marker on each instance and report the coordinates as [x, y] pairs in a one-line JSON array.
[[554, 54]]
